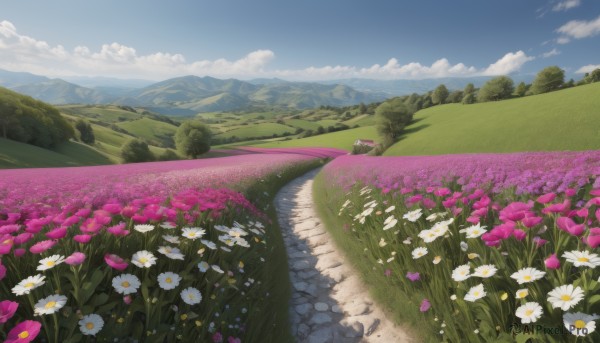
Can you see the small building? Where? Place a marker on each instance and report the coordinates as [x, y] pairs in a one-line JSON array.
[[365, 142]]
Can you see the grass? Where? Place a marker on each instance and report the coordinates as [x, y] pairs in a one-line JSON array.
[[399, 306], [361, 120], [257, 130], [108, 114], [562, 120], [303, 124], [340, 140], [152, 130]]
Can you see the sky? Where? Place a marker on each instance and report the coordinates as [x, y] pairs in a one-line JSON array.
[[299, 40]]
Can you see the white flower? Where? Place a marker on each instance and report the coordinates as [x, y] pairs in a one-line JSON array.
[[126, 283], [413, 216], [565, 297], [168, 280], [529, 313], [171, 252], [485, 271], [91, 324], [580, 324], [50, 262], [390, 224], [390, 259], [474, 231], [461, 273], [237, 232], [203, 266], [475, 293], [432, 217], [366, 212], [143, 259], [419, 252], [346, 203], [382, 242], [209, 244], [464, 246], [25, 286], [171, 239], [143, 228], [227, 240], [217, 269], [437, 259], [390, 209], [526, 275], [168, 225], [582, 258], [453, 297], [428, 236], [407, 241], [522, 293], [191, 296], [50, 304], [193, 233]]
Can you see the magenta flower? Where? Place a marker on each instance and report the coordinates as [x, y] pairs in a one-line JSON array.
[[24, 332], [2, 271], [519, 234], [232, 339], [546, 198], [57, 233], [593, 240], [567, 224], [570, 192], [75, 259], [539, 241], [115, 262], [217, 337], [530, 222], [552, 262], [7, 310], [23, 238], [387, 272], [83, 239], [127, 299], [413, 276], [19, 252], [42, 246], [425, 305], [6, 244], [118, 230]]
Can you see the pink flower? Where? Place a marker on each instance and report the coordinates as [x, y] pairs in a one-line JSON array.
[[83, 239], [24, 332], [2, 271], [232, 339], [72, 220], [563, 207], [593, 240], [75, 259], [552, 262], [217, 337], [23, 238], [519, 234], [7, 310], [546, 198], [595, 192], [118, 230], [90, 225], [539, 241], [583, 213], [567, 224], [42, 246], [413, 276], [115, 262], [387, 272], [83, 213], [57, 233], [112, 208], [6, 244], [6, 229], [129, 211], [428, 203], [139, 219], [425, 305], [127, 299], [19, 252], [530, 222], [570, 192]]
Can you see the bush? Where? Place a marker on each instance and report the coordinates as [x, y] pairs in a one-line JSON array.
[[168, 155], [193, 138], [136, 151], [548, 80], [498, 88]]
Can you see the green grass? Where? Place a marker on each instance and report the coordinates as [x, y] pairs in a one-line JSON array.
[[341, 139], [361, 120], [149, 129], [562, 120], [107, 114], [303, 124], [257, 130], [20, 155]]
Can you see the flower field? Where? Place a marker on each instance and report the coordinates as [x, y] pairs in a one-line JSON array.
[[483, 248], [155, 252]]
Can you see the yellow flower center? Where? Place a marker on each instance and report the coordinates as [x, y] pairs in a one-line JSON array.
[[89, 325], [565, 297], [143, 260], [168, 280], [485, 272], [50, 304], [476, 293], [583, 259], [522, 294], [191, 296], [580, 324], [29, 285], [8, 241], [23, 335], [475, 232], [191, 234], [527, 277], [50, 263], [125, 284], [528, 313]]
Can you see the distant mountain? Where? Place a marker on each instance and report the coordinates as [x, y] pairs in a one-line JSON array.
[[98, 82], [57, 92], [11, 79]]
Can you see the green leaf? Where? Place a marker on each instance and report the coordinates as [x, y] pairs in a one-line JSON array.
[[75, 338], [99, 299], [594, 299]]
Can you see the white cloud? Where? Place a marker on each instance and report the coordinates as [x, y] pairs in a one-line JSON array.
[[22, 53], [563, 40], [551, 53], [579, 29], [587, 69], [566, 5], [511, 62]]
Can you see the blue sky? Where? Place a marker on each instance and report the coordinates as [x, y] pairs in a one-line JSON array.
[[304, 40]]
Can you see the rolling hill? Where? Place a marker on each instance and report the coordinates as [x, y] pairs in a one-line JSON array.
[[563, 120], [340, 140], [58, 92]]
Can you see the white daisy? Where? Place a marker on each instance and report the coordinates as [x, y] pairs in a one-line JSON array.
[[530, 312], [565, 297], [25, 286], [50, 262], [209, 244], [367, 212], [168, 280], [428, 236], [171, 252], [193, 233], [168, 225], [475, 293], [203, 266], [171, 239], [526, 275], [237, 232], [407, 241], [91, 324], [434, 216], [143, 259], [413, 216], [437, 259], [227, 240], [582, 258], [242, 242], [390, 224], [522, 293], [419, 252], [382, 242], [464, 246], [485, 271], [390, 209], [461, 273], [474, 231], [50, 304], [143, 228], [580, 324], [126, 283], [217, 269], [191, 296]]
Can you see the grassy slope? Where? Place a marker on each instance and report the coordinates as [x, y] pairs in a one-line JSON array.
[[563, 120], [258, 130], [148, 128], [341, 139]]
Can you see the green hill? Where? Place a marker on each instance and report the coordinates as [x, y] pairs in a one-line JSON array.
[[257, 130], [564, 120], [341, 139]]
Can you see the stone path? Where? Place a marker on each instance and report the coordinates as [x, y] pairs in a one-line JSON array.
[[329, 302]]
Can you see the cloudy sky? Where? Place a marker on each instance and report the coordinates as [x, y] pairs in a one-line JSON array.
[[298, 40]]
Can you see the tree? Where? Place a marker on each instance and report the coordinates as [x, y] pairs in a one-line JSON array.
[[521, 89], [439, 95], [592, 77], [392, 117], [469, 99], [547, 80], [469, 89], [498, 88], [569, 84], [136, 150], [168, 155], [362, 108], [455, 97], [193, 138], [86, 133]]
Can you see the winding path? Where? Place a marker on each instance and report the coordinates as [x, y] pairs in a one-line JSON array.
[[329, 301]]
